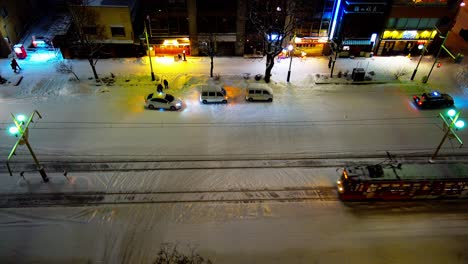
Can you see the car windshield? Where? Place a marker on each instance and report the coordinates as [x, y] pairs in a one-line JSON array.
[[149, 96], [169, 97]]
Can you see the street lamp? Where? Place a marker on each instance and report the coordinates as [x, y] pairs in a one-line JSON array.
[[290, 48], [149, 51], [423, 47], [437, 56]]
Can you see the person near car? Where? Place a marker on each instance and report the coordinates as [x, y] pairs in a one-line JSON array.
[[159, 88]]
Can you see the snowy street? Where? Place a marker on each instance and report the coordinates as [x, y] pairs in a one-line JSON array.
[[250, 222]]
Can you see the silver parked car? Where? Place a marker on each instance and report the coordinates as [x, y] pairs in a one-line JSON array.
[[162, 101]]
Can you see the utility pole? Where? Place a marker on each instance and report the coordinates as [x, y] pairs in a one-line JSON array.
[[21, 130], [335, 49], [153, 78]]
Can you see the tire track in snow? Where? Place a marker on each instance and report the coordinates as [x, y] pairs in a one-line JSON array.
[[290, 194]]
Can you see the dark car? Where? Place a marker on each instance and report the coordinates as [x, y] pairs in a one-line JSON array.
[[433, 100]]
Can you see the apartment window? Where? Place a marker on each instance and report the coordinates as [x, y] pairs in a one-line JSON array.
[[118, 31], [4, 12], [90, 30]]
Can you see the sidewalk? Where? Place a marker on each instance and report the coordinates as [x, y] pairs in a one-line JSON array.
[[41, 79]]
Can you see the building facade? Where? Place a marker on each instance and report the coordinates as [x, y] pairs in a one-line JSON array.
[[15, 18], [176, 26], [412, 23], [359, 27], [108, 22]]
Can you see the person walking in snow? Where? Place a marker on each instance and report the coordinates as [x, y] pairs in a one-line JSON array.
[[14, 65]]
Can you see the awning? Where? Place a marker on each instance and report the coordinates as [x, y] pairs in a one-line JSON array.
[[355, 42]]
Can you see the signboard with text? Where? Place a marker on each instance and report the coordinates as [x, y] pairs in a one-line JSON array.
[[370, 8]]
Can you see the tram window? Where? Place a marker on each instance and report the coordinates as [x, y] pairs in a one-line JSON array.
[[395, 188], [448, 186], [406, 187], [372, 188], [427, 187]]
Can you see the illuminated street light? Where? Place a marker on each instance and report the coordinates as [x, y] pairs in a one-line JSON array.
[[13, 130], [290, 48], [460, 124], [21, 118]]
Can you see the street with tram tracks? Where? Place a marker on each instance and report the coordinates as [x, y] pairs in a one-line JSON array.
[[240, 183]]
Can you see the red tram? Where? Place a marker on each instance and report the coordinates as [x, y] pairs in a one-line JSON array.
[[404, 182]]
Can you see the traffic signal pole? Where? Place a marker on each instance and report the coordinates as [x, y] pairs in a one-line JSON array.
[[23, 139], [449, 131]]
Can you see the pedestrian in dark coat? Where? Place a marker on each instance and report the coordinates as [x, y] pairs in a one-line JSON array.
[[14, 65], [159, 88], [166, 84]]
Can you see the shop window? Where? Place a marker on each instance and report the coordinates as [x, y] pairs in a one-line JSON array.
[[90, 30], [391, 22], [432, 22], [412, 23], [401, 23], [423, 23], [118, 31]]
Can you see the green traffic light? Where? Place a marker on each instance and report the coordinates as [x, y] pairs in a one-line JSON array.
[[20, 118], [460, 124], [13, 130], [451, 112]]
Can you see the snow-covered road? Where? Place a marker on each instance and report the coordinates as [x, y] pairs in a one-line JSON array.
[[85, 121]]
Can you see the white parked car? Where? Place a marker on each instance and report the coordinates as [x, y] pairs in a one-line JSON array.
[[162, 101]]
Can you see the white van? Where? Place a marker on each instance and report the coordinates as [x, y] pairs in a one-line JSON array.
[[213, 94], [259, 92]]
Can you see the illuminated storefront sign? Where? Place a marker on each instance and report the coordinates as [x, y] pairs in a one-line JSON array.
[[408, 34]]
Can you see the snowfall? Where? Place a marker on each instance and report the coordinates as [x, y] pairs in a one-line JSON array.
[[90, 122]]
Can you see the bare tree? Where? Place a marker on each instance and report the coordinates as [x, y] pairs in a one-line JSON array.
[[87, 35], [275, 23], [209, 48], [65, 66]]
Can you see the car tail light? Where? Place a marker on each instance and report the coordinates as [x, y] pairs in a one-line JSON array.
[[419, 103]]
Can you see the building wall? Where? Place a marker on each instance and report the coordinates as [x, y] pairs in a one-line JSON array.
[[408, 26], [15, 16], [109, 17]]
